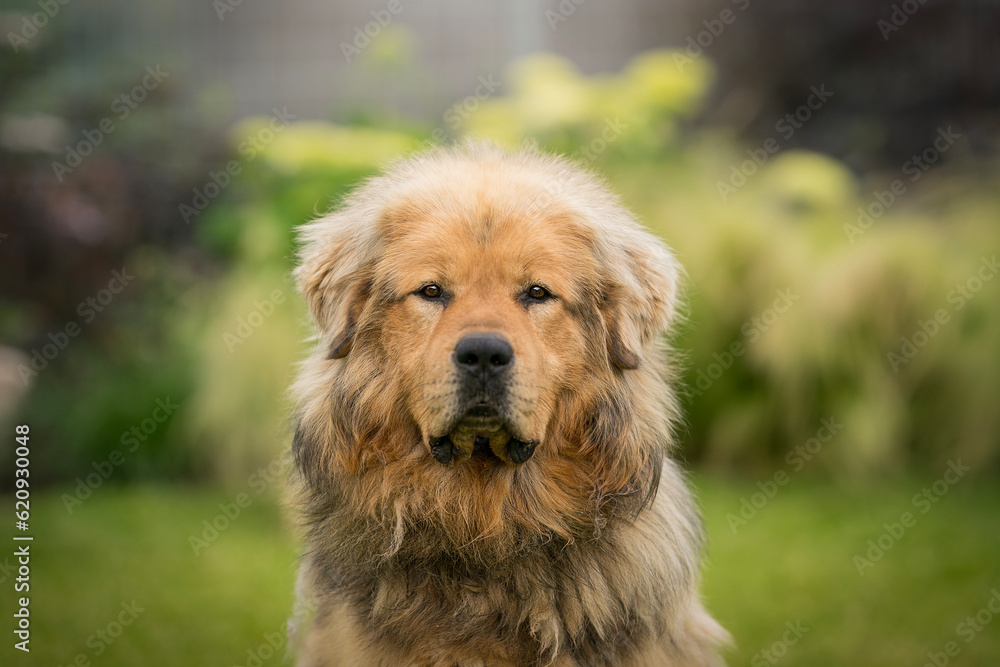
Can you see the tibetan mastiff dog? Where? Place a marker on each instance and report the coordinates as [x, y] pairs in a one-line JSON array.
[[481, 434]]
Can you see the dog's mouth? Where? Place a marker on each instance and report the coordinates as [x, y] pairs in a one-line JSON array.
[[481, 433]]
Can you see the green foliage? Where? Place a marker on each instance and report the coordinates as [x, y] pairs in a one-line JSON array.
[[852, 343], [552, 104], [107, 380]]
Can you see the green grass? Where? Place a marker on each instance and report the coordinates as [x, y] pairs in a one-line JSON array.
[[792, 562]]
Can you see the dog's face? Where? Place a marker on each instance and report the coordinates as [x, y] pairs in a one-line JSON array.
[[484, 319], [502, 309]]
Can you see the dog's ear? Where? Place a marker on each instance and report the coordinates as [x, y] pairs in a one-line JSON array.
[[343, 340], [334, 275], [640, 296]]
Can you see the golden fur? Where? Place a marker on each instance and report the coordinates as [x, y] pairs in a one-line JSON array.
[[586, 554]]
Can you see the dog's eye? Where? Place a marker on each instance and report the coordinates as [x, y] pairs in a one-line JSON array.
[[431, 291], [537, 293]]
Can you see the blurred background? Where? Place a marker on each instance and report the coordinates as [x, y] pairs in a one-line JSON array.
[[827, 173]]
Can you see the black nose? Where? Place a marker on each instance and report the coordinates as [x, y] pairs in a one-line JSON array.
[[484, 355]]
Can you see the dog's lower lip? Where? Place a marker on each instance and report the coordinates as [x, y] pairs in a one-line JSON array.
[[481, 410]]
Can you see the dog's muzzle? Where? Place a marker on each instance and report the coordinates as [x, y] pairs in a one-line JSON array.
[[482, 362]]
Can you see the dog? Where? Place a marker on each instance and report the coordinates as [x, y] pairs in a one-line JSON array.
[[482, 430]]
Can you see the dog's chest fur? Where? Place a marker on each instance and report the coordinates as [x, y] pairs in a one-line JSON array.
[[576, 600]]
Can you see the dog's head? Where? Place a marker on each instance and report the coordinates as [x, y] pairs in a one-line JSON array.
[[485, 315]]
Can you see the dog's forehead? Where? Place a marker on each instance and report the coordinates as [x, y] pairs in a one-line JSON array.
[[501, 229]]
